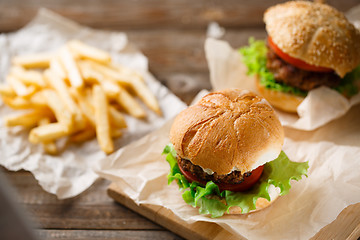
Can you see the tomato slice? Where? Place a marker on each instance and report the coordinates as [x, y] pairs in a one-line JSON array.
[[243, 186], [294, 61], [191, 177]]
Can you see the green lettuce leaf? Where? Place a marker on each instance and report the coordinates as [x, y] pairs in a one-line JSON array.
[[208, 198], [348, 86], [254, 57], [175, 173]]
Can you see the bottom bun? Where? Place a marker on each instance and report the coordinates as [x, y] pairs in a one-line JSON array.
[[284, 101]]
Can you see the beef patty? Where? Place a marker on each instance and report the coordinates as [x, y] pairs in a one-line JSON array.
[[234, 177], [293, 76]]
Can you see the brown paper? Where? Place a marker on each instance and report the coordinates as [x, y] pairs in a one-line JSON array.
[[332, 149], [321, 105], [332, 184]]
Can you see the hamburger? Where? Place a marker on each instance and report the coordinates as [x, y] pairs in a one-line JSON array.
[[225, 154], [308, 45]]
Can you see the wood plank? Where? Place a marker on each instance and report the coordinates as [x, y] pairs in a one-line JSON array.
[[72, 216], [114, 14], [345, 226], [174, 50], [167, 219], [104, 234], [30, 192], [184, 85], [181, 65], [354, 234], [92, 209]]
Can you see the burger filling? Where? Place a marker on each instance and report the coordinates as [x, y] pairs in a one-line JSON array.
[[213, 199], [275, 71], [235, 177], [305, 80]]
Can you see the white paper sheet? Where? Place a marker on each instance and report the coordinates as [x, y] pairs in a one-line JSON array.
[[70, 173]]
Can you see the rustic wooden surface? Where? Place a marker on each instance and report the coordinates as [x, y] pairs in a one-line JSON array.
[[345, 226], [171, 34], [166, 218]]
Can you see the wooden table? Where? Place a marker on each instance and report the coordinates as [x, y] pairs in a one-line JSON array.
[[171, 33]]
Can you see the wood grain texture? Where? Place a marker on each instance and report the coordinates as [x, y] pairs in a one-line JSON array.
[[345, 226], [171, 33], [92, 209], [178, 60], [174, 50], [140, 14], [105, 234], [167, 219]]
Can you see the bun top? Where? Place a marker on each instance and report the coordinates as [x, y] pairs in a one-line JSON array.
[[315, 33], [228, 130]]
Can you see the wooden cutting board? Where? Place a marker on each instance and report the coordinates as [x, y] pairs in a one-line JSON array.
[[346, 226]]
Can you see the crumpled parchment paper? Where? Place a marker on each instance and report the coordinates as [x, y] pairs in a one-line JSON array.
[[333, 182], [333, 152], [319, 107], [70, 173]]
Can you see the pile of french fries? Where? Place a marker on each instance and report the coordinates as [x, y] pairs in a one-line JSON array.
[[76, 92]]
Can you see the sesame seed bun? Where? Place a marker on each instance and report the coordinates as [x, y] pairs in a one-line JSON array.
[[315, 33], [286, 102], [228, 130]]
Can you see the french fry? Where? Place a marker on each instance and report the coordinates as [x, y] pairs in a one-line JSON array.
[[60, 87], [57, 67], [111, 89], [89, 52], [62, 114], [19, 87], [17, 102], [139, 87], [80, 93], [7, 91], [130, 105], [28, 119], [49, 132], [116, 118], [38, 60], [116, 132], [89, 96], [89, 74], [102, 120], [126, 71], [86, 107], [38, 100], [49, 146], [83, 136], [69, 63], [28, 77], [111, 73], [145, 95]]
